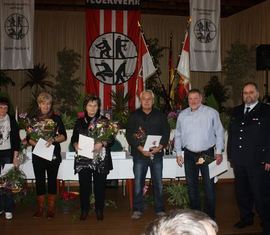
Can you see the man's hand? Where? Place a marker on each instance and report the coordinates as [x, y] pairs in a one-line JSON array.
[[218, 158], [267, 166], [155, 150], [145, 153], [180, 160]]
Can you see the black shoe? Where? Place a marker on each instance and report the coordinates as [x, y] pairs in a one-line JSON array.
[[84, 215], [99, 215], [243, 224]]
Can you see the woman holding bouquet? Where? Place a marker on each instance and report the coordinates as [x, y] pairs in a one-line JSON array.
[[57, 134], [9, 152], [100, 165]]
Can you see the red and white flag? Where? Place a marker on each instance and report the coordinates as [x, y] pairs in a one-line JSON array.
[[183, 65], [146, 65], [114, 54], [183, 69]]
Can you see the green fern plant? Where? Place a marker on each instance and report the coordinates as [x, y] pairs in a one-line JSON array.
[[177, 195], [37, 79], [120, 110]]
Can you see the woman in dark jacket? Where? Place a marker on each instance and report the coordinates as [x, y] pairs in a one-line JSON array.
[[9, 151], [42, 166], [98, 168]]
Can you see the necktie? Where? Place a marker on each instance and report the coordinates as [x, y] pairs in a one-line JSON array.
[[247, 111]]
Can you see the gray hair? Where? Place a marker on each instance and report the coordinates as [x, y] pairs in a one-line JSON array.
[[149, 92], [181, 222]]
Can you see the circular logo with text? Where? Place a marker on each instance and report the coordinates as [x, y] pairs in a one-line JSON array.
[[113, 58], [205, 30], [16, 26]]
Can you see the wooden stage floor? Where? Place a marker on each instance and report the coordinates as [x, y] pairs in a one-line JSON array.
[[117, 221]]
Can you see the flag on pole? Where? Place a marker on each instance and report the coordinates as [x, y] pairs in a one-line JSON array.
[[171, 71], [183, 65], [146, 65], [205, 35], [116, 51], [112, 49], [17, 29], [183, 70]]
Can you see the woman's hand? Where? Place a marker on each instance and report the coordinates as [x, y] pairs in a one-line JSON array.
[[32, 142], [16, 161], [76, 146], [98, 146], [50, 141]]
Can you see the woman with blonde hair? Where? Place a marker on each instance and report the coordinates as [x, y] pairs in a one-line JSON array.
[[42, 166]]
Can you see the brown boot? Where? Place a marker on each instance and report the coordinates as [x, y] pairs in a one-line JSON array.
[[51, 206], [40, 206]]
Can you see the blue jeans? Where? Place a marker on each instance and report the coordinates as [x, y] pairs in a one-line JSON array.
[[192, 175], [140, 168]]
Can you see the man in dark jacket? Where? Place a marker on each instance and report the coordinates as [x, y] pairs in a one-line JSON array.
[[147, 121], [249, 152]]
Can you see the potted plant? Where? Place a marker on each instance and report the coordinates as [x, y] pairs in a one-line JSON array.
[[239, 67], [66, 89], [177, 194], [37, 80]]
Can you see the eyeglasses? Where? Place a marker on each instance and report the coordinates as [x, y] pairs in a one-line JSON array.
[[3, 106]]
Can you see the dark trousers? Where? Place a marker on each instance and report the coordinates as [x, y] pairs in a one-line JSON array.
[[248, 188], [266, 201], [41, 167], [192, 178], [85, 180], [140, 168], [6, 197]]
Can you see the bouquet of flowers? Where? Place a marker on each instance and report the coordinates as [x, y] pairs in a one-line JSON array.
[[102, 131], [41, 129], [140, 136], [203, 158], [37, 129], [172, 119], [14, 180]]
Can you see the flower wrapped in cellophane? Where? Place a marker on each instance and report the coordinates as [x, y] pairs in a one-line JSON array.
[[44, 129], [36, 129], [13, 181], [203, 158], [140, 136], [103, 130]]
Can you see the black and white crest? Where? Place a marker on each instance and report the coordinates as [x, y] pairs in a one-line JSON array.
[[16, 26], [113, 58], [205, 30]]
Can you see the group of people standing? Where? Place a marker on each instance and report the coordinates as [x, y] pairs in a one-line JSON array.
[[199, 132]]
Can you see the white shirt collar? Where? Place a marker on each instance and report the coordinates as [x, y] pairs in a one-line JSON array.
[[251, 105]]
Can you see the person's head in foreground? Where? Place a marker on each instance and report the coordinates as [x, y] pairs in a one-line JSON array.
[[183, 222]]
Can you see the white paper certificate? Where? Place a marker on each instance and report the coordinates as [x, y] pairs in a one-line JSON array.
[[151, 141], [215, 169], [43, 151], [86, 146]]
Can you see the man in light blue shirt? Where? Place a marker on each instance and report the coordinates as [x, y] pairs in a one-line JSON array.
[[200, 134]]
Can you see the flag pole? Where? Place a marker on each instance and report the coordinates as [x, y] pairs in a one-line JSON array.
[[167, 99]]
